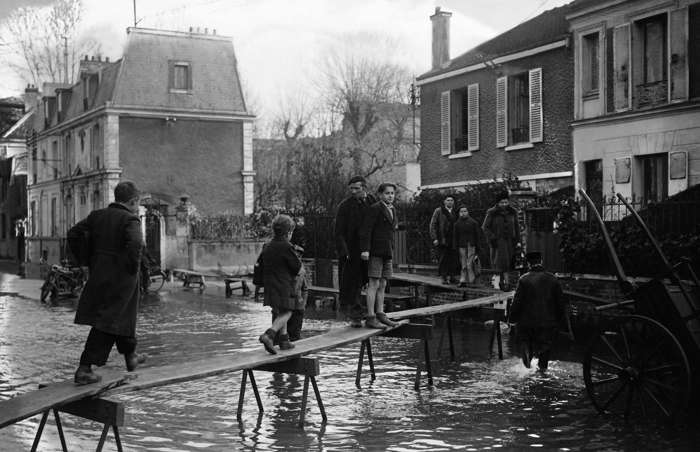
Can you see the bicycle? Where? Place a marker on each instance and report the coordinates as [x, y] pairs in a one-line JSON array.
[[62, 280]]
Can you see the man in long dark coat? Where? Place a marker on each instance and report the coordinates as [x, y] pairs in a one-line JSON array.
[[352, 270], [109, 241], [539, 309]]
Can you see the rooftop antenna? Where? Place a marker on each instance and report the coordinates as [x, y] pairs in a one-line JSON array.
[[136, 22]]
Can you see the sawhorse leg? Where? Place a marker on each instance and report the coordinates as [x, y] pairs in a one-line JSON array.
[[366, 344], [450, 337], [424, 333], [308, 367], [496, 333], [241, 395], [108, 412]]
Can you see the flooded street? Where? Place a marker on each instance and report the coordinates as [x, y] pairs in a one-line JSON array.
[[477, 403]]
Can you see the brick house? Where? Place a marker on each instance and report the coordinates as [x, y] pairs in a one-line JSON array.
[[637, 97], [169, 115], [501, 107]]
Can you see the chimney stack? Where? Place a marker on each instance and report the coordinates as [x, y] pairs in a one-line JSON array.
[[31, 94], [441, 37]]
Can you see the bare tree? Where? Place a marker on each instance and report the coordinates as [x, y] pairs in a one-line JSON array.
[[44, 43], [358, 79]]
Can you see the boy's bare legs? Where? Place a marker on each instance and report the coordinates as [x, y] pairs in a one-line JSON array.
[[279, 324], [379, 305], [372, 296]]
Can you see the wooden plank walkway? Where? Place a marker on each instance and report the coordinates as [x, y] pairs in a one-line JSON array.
[[34, 402], [451, 307], [435, 283], [58, 394]]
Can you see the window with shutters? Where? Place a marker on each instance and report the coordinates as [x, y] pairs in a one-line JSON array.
[[590, 64], [460, 120], [519, 109], [650, 61], [180, 77]]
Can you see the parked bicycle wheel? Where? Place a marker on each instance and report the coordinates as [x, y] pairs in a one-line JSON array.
[[155, 282], [49, 289]]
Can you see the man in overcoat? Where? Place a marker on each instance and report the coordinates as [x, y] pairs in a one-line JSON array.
[[352, 270], [539, 309], [502, 232], [441, 227], [109, 242]]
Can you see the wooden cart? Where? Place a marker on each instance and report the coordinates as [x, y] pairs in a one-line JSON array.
[[644, 360]]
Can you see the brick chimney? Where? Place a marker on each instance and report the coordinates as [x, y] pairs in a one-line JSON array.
[[92, 65], [441, 37], [31, 94]]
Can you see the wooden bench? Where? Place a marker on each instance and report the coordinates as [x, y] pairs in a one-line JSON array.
[[192, 277], [243, 286]]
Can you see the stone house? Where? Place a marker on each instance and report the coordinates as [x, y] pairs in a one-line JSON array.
[[169, 115], [636, 97], [15, 121], [503, 107]]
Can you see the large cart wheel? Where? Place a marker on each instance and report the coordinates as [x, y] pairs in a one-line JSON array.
[[637, 369]]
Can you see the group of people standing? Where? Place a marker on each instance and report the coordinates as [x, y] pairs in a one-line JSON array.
[[458, 237]]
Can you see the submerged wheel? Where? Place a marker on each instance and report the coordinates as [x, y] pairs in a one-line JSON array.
[[637, 369], [155, 282]]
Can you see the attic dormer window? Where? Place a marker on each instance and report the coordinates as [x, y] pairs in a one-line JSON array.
[[180, 77]]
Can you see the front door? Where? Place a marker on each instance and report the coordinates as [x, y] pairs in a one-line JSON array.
[[593, 170]]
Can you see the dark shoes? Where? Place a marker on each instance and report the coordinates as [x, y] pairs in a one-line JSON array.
[[372, 322], [133, 360], [381, 316], [356, 323], [85, 376], [267, 341], [445, 280]]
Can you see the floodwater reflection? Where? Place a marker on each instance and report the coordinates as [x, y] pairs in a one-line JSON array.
[[476, 403]]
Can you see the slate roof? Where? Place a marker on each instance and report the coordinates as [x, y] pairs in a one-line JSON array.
[[140, 79], [143, 78], [550, 26]]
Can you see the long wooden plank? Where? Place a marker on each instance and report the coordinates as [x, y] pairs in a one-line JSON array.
[[449, 307], [217, 365], [436, 283], [34, 402]]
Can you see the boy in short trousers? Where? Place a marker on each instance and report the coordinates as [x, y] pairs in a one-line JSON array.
[[377, 243]]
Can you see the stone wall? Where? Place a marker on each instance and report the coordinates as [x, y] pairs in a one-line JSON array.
[[233, 257]]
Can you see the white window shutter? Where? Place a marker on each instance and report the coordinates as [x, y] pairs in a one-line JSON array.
[[501, 111], [621, 67], [445, 144], [536, 105], [473, 117], [678, 31]]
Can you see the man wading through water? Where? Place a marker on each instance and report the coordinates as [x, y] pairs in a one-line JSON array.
[[109, 242]]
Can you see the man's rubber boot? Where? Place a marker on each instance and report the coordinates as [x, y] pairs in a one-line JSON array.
[[381, 316], [372, 322], [267, 341], [85, 376], [133, 360], [285, 343]]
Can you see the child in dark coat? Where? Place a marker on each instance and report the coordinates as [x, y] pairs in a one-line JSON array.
[[466, 233], [283, 277]]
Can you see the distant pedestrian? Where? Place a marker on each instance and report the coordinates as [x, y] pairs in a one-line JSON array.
[[352, 270], [466, 238], [539, 309], [441, 231], [109, 242], [377, 245], [503, 235], [280, 268]]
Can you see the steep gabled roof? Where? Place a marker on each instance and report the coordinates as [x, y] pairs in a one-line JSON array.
[[548, 27], [144, 75]]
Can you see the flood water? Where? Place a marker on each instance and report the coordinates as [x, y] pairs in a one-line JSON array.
[[477, 403]]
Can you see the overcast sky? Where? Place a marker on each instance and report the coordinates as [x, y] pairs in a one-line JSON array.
[[278, 42]]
